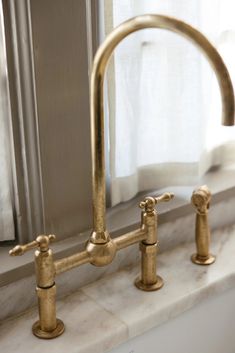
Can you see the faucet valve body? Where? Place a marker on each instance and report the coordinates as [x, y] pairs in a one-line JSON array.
[[201, 202], [149, 281], [48, 326]]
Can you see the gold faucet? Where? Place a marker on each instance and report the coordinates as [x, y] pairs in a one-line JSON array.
[[201, 201], [101, 249]]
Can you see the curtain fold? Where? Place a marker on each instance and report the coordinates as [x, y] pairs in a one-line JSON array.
[[164, 118], [7, 231]]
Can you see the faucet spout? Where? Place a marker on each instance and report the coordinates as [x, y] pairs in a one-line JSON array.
[[100, 234]]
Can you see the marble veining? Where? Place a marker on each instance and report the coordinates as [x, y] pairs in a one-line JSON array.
[[110, 311]]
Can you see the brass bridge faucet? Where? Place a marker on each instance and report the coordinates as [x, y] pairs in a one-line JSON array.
[[201, 201], [101, 248]]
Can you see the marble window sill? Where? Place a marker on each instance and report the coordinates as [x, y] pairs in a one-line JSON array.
[[110, 311]]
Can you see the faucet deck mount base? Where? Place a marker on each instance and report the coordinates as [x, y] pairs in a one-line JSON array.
[[210, 259], [37, 331], [149, 287]]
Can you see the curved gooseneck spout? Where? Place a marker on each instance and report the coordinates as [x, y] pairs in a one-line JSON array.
[[100, 234]]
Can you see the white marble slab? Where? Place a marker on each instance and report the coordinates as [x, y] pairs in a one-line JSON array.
[[111, 310], [87, 329], [185, 285]]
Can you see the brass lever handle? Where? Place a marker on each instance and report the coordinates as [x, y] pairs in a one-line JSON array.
[[150, 202], [167, 196], [41, 241]]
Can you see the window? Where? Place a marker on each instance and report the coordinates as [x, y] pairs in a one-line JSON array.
[[165, 113]]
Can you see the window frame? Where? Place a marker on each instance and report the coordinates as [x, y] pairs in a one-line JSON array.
[[33, 212]]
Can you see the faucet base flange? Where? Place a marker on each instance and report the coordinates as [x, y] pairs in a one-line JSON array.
[[149, 287], [37, 331], [196, 259]]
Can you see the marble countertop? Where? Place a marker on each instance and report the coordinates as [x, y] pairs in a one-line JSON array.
[[110, 311]]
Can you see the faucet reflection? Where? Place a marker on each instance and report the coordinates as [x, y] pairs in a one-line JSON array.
[[101, 248]]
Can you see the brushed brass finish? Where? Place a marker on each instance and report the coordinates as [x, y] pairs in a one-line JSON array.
[[101, 249], [201, 202], [96, 96], [149, 281], [98, 254], [48, 325], [44, 268], [149, 287], [196, 259], [130, 238], [86, 256], [149, 215], [101, 254], [21, 249], [71, 261], [38, 332], [46, 299]]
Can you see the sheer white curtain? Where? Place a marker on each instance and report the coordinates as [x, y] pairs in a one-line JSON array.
[[6, 210], [165, 113]]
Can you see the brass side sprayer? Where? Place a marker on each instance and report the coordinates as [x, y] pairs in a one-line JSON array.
[[201, 201], [101, 248]]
